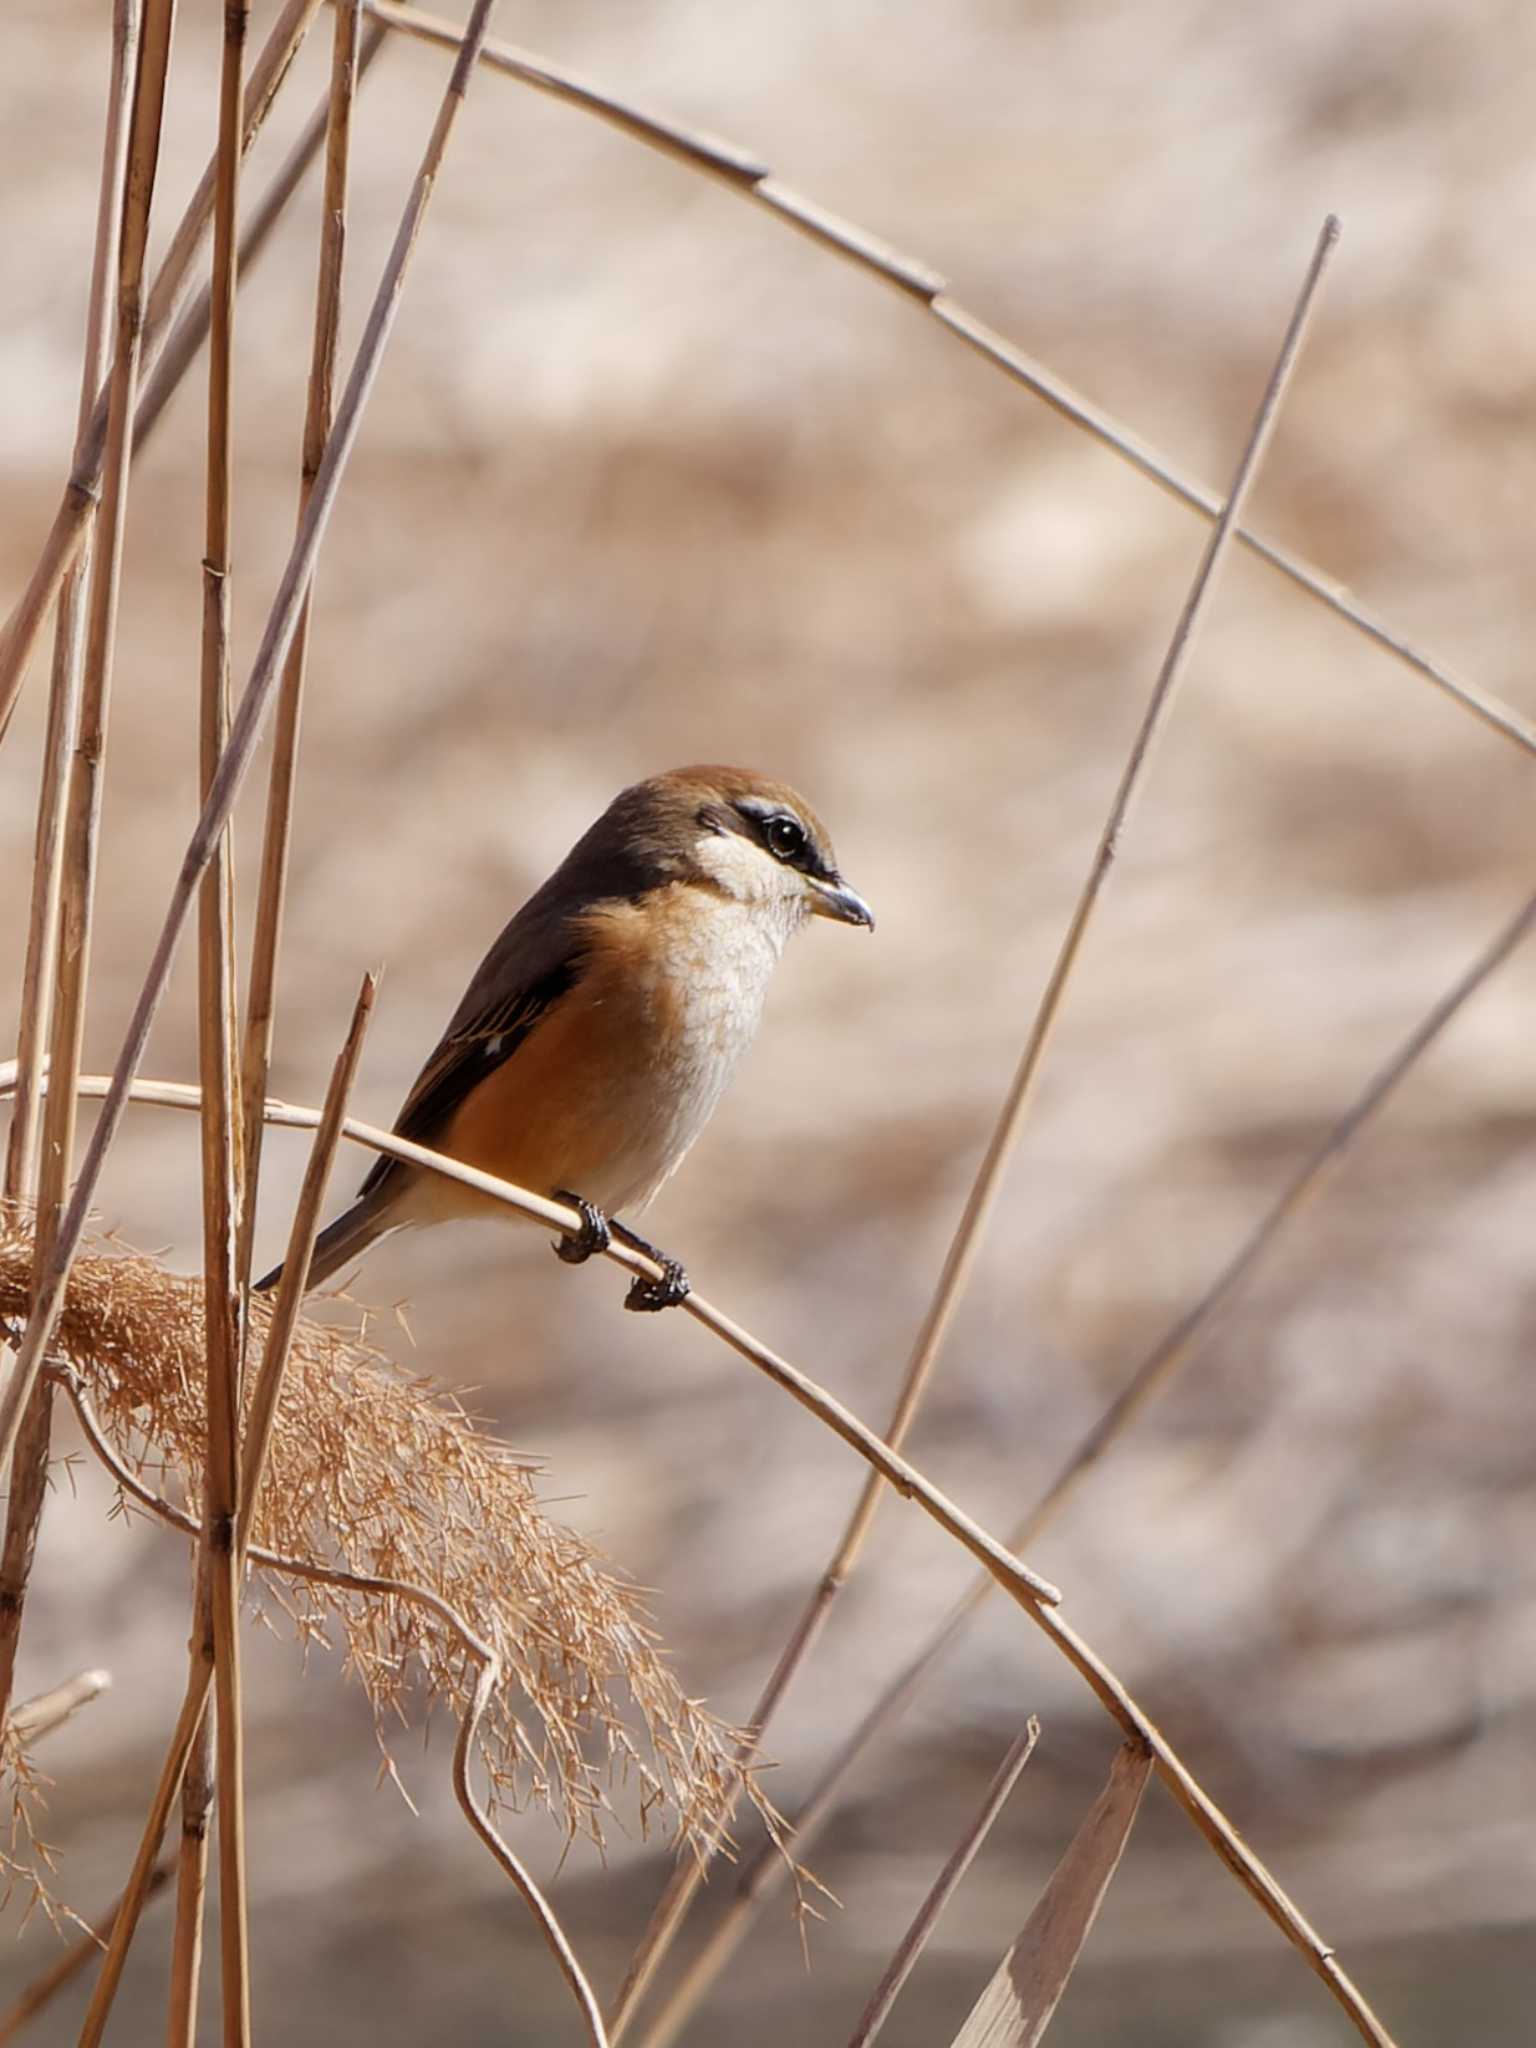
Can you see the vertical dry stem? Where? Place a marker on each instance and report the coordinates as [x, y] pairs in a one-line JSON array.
[[197, 1794], [684, 1884], [319, 405], [30, 1466], [84, 487], [216, 1605]]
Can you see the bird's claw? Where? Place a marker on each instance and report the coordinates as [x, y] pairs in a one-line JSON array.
[[593, 1237], [646, 1297]]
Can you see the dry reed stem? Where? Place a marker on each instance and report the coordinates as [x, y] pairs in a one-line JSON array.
[[489, 1678], [69, 643], [759, 1878], [1036, 1598], [683, 1885], [179, 350], [1021, 1999], [47, 1984], [83, 489], [24, 1412], [50, 879], [197, 1799], [744, 172], [944, 1887], [318, 407], [216, 1601], [244, 732]]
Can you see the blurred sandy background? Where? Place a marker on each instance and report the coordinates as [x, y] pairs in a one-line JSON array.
[[648, 479]]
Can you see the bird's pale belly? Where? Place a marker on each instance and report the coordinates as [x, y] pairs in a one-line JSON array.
[[606, 1095]]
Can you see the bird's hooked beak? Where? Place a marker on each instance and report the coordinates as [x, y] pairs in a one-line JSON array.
[[835, 899]]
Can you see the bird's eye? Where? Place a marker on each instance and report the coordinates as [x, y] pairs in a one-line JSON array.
[[785, 837]]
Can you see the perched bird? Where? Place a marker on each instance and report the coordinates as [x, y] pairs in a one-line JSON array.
[[601, 1028]]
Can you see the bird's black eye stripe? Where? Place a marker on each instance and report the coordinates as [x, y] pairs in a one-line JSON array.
[[784, 837]]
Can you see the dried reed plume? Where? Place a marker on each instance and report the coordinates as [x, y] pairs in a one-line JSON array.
[[380, 1476]]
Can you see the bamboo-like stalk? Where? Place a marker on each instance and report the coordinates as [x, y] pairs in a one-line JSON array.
[[83, 807], [29, 1473], [684, 1884], [197, 1797], [216, 1602], [260, 1016], [69, 638], [84, 487], [244, 731], [746, 173], [234, 1541], [944, 1887]]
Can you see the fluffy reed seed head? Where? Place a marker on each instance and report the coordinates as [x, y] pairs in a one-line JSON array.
[[387, 1476]]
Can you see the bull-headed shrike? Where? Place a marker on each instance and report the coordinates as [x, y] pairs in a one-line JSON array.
[[600, 1030]]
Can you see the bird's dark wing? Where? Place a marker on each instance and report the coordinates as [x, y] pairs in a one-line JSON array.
[[531, 966]]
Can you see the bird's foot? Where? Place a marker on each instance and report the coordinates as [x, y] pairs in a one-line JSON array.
[[594, 1235], [648, 1297]]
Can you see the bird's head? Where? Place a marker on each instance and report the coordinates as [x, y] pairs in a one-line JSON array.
[[737, 834]]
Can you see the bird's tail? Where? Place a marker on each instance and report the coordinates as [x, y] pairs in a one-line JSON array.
[[351, 1234]]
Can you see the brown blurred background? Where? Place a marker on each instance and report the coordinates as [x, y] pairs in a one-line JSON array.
[[647, 479]]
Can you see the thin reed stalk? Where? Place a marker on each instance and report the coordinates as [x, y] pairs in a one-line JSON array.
[[319, 405], [197, 1800], [231, 1545], [50, 877], [216, 1632], [683, 1885], [944, 1887], [83, 489], [23, 1407], [244, 732], [179, 348], [749, 176]]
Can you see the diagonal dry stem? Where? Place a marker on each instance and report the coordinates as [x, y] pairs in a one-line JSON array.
[[683, 1885], [747, 174], [319, 404], [944, 1887], [47, 1985], [762, 1876], [55, 882], [244, 732], [84, 487], [179, 349], [1018, 2004]]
